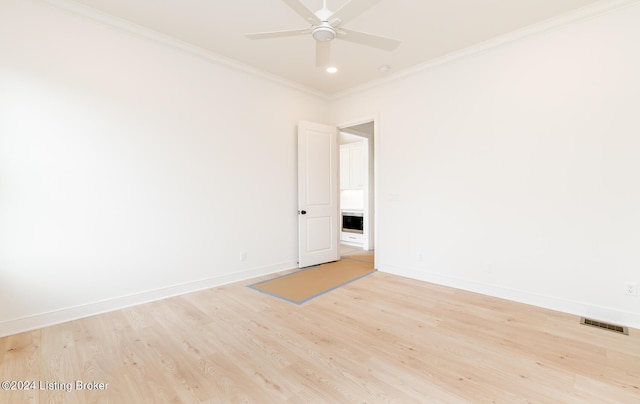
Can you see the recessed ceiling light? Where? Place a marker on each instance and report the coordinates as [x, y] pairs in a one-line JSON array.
[[384, 68], [332, 69]]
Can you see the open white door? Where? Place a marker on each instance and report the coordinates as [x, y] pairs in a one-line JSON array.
[[317, 194]]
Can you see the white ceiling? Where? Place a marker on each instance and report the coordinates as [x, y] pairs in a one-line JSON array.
[[428, 29]]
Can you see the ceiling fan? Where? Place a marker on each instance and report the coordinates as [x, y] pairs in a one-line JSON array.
[[327, 25]]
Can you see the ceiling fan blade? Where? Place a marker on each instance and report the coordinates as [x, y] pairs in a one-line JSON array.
[[353, 9], [362, 38], [278, 34], [323, 57], [303, 11]]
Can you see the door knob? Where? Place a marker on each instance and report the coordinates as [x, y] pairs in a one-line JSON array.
[[302, 212]]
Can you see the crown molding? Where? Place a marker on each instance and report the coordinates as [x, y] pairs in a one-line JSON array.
[[147, 33], [554, 23], [594, 10]]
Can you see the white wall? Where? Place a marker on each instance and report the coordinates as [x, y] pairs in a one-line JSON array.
[[131, 170], [125, 166], [514, 171]]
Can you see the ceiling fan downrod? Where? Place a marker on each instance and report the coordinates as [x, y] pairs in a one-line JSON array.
[[323, 32]]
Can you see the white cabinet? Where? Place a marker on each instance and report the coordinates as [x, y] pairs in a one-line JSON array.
[[353, 165], [344, 167], [349, 238]]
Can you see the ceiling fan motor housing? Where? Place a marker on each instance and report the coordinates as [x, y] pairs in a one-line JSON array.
[[324, 32]]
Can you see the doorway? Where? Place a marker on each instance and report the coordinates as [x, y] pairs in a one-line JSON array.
[[319, 191], [357, 193]]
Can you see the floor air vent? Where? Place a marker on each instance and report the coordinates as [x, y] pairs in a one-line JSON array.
[[605, 326]]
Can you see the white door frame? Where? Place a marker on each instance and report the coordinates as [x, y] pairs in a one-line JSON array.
[[373, 177]]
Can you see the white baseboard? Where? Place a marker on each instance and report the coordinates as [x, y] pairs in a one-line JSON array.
[[90, 309], [548, 302], [73, 313]]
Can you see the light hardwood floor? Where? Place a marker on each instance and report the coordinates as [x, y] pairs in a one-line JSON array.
[[381, 339], [346, 249]]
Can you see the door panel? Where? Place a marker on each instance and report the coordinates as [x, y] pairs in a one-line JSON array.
[[318, 234], [317, 193]]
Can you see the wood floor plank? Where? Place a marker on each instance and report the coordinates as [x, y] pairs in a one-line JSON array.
[[381, 339]]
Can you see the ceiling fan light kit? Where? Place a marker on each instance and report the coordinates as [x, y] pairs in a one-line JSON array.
[[327, 26], [324, 32]]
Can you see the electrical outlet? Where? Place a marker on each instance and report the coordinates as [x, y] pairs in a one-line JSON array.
[[488, 269], [243, 256], [631, 289]]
